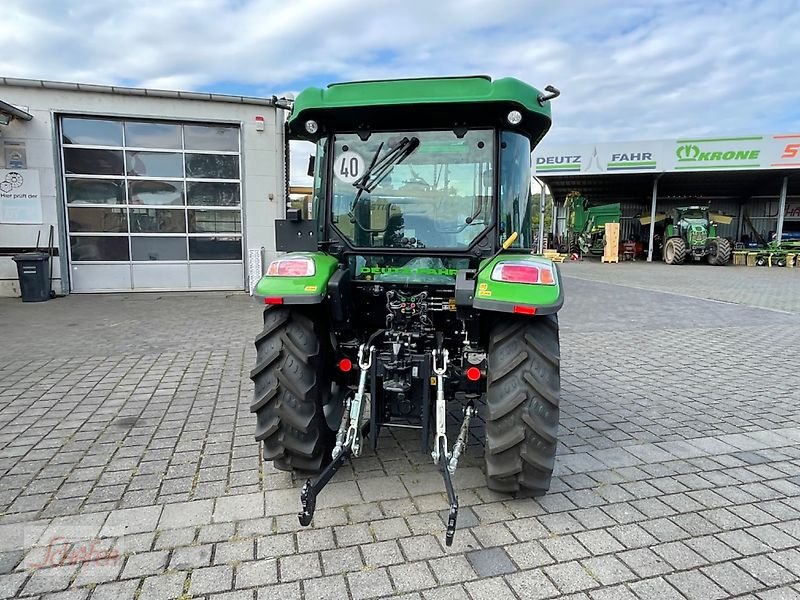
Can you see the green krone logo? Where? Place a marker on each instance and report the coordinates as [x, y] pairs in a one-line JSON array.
[[692, 152], [688, 152]]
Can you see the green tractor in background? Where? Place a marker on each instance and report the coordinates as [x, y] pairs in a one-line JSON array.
[[413, 291], [586, 225], [692, 233]]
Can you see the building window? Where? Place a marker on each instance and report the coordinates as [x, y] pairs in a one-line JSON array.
[[142, 191]]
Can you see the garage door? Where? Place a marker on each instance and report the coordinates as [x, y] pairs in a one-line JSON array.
[[152, 205]]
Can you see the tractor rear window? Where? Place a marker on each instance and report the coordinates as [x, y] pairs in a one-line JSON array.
[[413, 189]]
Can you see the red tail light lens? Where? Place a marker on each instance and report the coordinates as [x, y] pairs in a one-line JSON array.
[[473, 373], [524, 310], [519, 273], [273, 300], [345, 365], [291, 267], [523, 272]]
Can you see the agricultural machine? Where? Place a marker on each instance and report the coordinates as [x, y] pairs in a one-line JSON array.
[[691, 232], [412, 292], [586, 224], [778, 254]]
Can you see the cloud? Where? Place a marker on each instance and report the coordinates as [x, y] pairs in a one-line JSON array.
[[639, 69]]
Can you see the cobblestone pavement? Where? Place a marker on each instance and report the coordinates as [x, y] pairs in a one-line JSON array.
[[128, 468], [764, 287]]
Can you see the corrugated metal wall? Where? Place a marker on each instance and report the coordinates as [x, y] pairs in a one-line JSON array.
[[763, 213]]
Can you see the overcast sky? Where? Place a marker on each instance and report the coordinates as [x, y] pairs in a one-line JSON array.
[[638, 69]]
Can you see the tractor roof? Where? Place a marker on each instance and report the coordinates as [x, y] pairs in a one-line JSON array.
[[440, 102]]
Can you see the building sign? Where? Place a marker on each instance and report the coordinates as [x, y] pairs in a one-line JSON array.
[[718, 153], [599, 158], [15, 155], [20, 196], [689, 154], [789, 146], [792, 212]]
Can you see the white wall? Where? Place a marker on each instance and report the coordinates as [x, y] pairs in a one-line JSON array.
[[262, 160]]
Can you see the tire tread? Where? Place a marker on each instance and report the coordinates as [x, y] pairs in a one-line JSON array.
[[522, 399], [287, 400]]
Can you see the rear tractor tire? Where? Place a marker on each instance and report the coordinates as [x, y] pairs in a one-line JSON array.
[[719, 252], [674, 251], [522, 398], [293, 391]]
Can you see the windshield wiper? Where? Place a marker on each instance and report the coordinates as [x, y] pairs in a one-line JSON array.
[[379, 169]]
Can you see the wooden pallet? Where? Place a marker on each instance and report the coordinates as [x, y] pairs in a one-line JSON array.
[[611, 249], [555, 256]]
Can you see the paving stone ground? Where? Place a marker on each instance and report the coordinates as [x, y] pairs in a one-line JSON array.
[[128, 467]]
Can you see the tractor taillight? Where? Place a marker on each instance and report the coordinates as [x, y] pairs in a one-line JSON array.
[[345, 365], [273, 300], [473, 373], [523, 272], [291, 267], [524, 310]]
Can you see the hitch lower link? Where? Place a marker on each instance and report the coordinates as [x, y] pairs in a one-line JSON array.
[[448, 461], [349, 439]]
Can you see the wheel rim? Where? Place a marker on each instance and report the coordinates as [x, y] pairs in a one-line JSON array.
[[669, 252]]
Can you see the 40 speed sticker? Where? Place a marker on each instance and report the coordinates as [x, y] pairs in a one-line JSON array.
[[348, 166]]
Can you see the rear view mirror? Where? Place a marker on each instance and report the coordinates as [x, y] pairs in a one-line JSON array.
[[312, 163]]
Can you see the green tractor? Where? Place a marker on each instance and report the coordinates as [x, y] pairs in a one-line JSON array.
[[587, 224], [413, 292], [693, 233]]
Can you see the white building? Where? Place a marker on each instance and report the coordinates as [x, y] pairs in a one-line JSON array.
[[145, 189]]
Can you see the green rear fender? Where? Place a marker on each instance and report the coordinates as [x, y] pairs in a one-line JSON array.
[[310, 289], [507, 297]]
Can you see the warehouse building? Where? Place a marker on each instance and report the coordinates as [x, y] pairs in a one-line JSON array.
[[754, 179], [144, 189]]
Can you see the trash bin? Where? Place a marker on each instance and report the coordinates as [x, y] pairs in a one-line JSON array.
[[34, 277]]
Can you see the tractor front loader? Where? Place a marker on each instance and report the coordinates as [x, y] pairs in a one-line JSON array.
[[413, 288]]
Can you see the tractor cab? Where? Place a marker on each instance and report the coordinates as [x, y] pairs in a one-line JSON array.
[[694, 224], [407, 167]]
